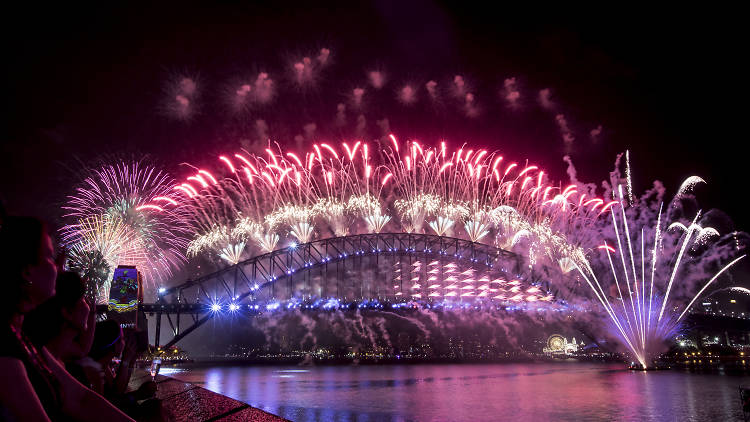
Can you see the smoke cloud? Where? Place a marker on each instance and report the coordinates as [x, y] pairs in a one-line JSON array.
[[448, 333], [567, 134], [261, 130], [511, 92], [545, 99], [377, 79], [181, 100], [596, 133], [340, 115], [357, 94], [459, 87], [385, 127], [431, 87], [361, 125], [324, 56], [407, 95]]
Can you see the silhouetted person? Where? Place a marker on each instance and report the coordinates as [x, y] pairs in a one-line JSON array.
[[35, 385], [110, 342], [64, 324]]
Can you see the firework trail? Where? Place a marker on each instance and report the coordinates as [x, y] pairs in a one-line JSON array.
[[256, 200], [435, 281], [638, 294], [125, 214]]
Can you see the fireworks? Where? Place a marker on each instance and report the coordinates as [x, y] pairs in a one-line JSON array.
[[228, 245], [642, 308], [249, 203], [125, 214], [256, 200], [438, 281]]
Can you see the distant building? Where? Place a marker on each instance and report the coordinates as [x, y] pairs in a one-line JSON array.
[[558, 345]]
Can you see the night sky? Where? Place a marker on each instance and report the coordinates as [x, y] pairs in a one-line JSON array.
[[668, 85]]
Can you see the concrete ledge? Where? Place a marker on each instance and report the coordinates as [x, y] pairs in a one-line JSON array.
[[185, 402]]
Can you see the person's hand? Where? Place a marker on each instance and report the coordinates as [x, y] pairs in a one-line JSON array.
[[91, 302], [61, 258], [86, 339]]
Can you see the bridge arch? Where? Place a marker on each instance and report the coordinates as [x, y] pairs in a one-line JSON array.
[[253, 275], [359, 267]]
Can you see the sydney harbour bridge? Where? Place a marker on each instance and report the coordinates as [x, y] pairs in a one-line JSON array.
[[374, 271]]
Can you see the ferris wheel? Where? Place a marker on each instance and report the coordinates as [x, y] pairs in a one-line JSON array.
[[556, 342]]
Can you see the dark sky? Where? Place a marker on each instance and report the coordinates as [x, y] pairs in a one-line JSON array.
[[670, 85]]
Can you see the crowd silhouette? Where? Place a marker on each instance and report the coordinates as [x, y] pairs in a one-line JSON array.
[[57, 361]]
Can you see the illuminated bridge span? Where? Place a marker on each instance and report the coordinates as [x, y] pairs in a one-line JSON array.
[[385, 270]]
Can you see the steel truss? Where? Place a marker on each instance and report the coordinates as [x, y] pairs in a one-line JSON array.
[[287, 272]]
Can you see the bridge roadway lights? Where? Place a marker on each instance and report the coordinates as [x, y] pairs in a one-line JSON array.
[[173, 308], [196, 309]]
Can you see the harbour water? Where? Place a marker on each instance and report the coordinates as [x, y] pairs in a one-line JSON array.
[[566, 391]]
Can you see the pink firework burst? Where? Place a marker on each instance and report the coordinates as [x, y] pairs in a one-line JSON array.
[[136, 202]]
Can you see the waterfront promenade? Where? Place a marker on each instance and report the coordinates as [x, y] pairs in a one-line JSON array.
[[186, 402]]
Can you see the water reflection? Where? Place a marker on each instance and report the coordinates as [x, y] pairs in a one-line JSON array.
[[170, 371], [565, 391]]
